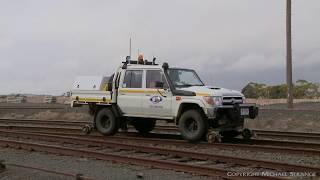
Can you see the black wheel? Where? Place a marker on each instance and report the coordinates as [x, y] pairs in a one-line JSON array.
[[106, 123], [230, 134], [246, 134], [192, 125], [144, 126]]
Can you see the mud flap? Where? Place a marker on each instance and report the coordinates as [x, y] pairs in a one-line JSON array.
[[253, 112]]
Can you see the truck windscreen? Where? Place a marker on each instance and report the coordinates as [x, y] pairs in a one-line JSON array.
[[184, 78]]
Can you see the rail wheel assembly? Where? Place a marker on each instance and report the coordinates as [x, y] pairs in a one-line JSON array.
[[246, 134], [213, 136], [87, 129]]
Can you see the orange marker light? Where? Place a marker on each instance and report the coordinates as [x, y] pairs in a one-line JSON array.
[[140, 59], [178, 98]]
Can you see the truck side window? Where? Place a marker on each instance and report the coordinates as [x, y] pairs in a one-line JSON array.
[[132, 79], [154, 76]]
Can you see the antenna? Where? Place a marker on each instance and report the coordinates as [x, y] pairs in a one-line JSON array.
[[130, 48]]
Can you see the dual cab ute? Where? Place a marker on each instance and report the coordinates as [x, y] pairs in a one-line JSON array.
[[143, 93]]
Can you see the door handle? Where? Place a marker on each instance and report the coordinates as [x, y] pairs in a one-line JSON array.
[[148, 95]]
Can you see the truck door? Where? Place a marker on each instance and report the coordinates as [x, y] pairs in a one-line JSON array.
[[130, 93], [156, 102]]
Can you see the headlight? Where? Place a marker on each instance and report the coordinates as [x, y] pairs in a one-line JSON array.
[[208, 100], [216, 100]]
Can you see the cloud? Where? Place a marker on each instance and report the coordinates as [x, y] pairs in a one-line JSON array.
[[45, 44], [256, 63]]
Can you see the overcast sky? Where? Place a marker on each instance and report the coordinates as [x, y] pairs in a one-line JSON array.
[[45, 44]]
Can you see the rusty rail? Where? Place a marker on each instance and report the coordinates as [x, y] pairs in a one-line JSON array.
[[165, 128], [41, 128], [43, 122], [278, 147], [288, 134]]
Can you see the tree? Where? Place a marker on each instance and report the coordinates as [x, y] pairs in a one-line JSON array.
[[301, 89]]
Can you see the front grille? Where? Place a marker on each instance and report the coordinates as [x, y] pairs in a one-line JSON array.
[[230, 100]]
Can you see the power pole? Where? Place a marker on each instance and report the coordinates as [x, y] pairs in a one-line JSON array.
[[289, 56]]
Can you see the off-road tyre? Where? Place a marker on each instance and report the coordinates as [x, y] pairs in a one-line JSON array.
[[106, 122], [192, 125]]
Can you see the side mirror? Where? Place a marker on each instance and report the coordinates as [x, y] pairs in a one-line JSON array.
[[159, 85], [109, 86]]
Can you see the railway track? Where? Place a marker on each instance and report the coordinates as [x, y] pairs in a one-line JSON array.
[[186, 161], [170, 140], [286, 109], [263, 134], [133, 137], [160, 128], [63, 126], [288, 134]]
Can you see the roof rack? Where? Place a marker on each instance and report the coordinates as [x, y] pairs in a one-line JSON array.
[[145, 62]]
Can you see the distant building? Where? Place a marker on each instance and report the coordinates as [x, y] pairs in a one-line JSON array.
[[3, 99], [16, 99], [50, 99]]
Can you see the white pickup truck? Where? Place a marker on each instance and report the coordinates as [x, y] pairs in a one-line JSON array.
[[141, 94]]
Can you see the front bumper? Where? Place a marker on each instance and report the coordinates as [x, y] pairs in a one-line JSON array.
[[235, 110]]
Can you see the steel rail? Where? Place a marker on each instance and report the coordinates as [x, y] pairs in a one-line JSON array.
[[165, 151], [280, 148], [42, 128], [293, 144], [288, 134], [161, 164], [43, 122], [307, 135], [286, 109], [162, 127], [263, 148], [272, 146]]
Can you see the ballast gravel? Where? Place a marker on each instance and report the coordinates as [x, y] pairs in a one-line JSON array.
[[96, 169]]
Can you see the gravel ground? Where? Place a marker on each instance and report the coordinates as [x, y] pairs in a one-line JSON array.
[[89, 167], [14, 173], [284, 120], [274, 118]]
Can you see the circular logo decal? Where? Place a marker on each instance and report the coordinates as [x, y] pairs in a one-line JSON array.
[[156, 99]]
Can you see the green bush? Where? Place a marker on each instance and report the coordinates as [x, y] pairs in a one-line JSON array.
[[301, 89]]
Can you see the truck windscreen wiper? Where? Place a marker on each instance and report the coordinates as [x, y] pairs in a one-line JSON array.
[[189, 85], [185, 85]]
